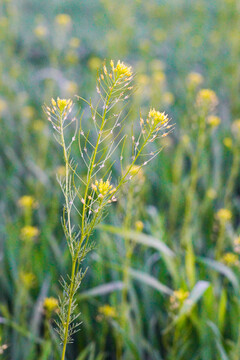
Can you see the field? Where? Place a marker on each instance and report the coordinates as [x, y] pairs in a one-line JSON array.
[[163, 260]]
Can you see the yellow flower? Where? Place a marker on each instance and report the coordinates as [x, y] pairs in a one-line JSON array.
[[181, 295], [63, 20], [108, 311], [29, 232], [61, 170], [50, 304], [139, 225], [157, 117], [121, 69], [178, 297], [27, 278], [135, 169], [237, 245], [168, 98], [227, 141], [103, 187], [194, 79], [28, 112], [159, 77], [94, 63], [74, 42], [61, 104], [40, 31], [213, 121], [72, 57], [230, 259], [72, 88], [38, 125], [27, 202], [143, 79], [3, 106], [236, 128], [160, 35], [207, 99], [211, 193], [224, 215]]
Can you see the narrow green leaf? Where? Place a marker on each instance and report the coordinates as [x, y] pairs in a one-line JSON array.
[[151, 281], [222, 269], [139, 238]]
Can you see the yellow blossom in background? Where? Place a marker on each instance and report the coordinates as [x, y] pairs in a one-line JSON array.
[[74, 42], [211, 193], [40, 31], [136, 170], [3, 106], [230, 259], [103, 187], [207, 99], [28, 279], [168, 98], [28, 112], [185, 140], [159, 77], [178, 297], [157, 117], [224, 215], [72, 88], [160, 35], [61, 170], [50, 304], [107, 311], [72, 57], [122, 69], [29, 233], [94, 63], [143, 79], [237, 245], [15, 70], [63, 20], [213, 121], [38, 125], [236, 128], [181, 294], [227, 141], [27, 202], [194, 79], [157, 65], [139, 226]]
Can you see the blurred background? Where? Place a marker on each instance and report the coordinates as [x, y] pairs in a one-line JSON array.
[[163, 281]]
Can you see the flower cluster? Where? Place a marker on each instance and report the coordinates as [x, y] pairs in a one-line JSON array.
[[27, 279], [224, 215], [194, 79], [207, 99], [157, 117], [27, 202], [178, 298], [61, 105], [230, 259], [29, 232], [107, 311], [63, 20], [50, 304], [237, 245], [213, 121], [103, 188], [121, 69]]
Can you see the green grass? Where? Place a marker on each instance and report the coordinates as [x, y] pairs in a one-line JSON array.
[[134, 270]]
